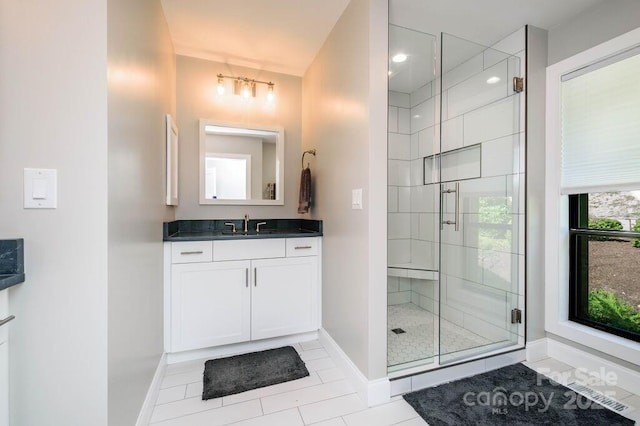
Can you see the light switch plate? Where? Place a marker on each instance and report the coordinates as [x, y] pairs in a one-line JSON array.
[[356, 199], [40, 188]]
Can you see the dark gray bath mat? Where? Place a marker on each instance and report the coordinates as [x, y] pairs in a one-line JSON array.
[[513, 395], [239, 373]]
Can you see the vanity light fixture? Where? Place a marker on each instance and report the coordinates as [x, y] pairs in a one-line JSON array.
[[245, 87]]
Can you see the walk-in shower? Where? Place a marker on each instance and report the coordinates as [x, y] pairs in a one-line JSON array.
[[456, 147]]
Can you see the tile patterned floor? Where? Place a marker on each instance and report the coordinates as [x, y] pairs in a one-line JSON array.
[[418, 340], [322, 399]]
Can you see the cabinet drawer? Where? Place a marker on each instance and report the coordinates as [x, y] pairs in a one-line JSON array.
[[302, 247], [255, 249], [191, 251]]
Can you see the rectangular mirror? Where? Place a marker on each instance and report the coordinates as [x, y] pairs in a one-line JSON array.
[[241, 164]]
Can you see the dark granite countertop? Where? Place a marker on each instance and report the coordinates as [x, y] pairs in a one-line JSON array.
[[11, 262], [202, 230]]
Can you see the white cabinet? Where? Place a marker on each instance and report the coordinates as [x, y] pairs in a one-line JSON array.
[[232, 291], [283, 296], [210, 304]]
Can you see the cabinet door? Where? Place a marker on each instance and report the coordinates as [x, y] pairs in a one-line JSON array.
[[210, 304], [284, 296]]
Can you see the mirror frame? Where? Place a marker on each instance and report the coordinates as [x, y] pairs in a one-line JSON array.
[[279, 201]]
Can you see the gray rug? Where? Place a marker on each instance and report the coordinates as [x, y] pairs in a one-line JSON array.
[[239, 373], [513, 395]]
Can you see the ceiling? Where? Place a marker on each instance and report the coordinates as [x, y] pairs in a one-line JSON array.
[[285, 35]]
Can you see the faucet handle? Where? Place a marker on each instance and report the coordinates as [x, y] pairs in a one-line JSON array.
[[259, 224], [232, 225]]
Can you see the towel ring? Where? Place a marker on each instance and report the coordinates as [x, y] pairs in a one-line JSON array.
[[311, 151]]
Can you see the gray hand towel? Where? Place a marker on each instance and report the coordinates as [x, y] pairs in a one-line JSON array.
[[304, 200]]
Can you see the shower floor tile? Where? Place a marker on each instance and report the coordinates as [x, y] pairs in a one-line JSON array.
[[419, 340]]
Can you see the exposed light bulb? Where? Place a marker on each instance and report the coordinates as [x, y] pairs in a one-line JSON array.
[[270, 94], [400, 57], [246, 90], [493, 80]]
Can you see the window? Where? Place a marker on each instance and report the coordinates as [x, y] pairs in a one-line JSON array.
[[592, 147], [604, 276], [600, 173]]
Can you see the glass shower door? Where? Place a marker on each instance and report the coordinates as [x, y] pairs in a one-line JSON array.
[[479, 169]]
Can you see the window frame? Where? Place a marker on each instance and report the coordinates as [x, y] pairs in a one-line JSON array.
[[579, 265], [556, 220]]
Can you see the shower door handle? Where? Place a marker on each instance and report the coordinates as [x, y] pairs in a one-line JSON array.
[[455, 222]]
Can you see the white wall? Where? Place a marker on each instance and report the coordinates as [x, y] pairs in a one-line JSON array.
[[344, 118], [53, 114], [536, 87], [141, 88], [596, 25], [196, 97]]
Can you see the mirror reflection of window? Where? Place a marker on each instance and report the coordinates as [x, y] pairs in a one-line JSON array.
[[228, 176], [259, 181]]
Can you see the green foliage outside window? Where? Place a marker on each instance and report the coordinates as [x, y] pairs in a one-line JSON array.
[[605, 225], [607, 308]]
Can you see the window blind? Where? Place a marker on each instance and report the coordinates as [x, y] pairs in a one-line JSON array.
[[601, 126]]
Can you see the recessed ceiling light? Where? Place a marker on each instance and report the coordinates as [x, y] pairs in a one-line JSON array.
[[400, 57], [493, 80]]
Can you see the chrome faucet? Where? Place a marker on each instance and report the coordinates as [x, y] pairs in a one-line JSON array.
[[246, 223], [258, 225]]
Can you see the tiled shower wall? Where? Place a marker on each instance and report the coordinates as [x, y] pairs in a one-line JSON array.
[[483, 263], [481, 280]]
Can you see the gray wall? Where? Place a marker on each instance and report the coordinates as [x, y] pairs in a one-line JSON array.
[[141, 88], [344, 92], [53, 114], [196, 98], [608, 20]]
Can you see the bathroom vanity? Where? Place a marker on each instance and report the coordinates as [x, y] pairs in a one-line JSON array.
[[11, 273], [224, 287]]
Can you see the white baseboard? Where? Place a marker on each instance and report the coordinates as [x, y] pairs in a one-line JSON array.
[[616, 374], [537, 350], [240, 348], [373, 392], [152, 394]]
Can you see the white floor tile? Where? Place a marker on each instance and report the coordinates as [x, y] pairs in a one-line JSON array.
[[548, 366], [183, 407], [281, 418], [320, 364], [194, 389], [181, 379], [331, 375], [186, 367], [175, 393], [333, 422], [328, 409], [633, 401], [418, 421], [218, 416], [313, 354], [311, 344], [305, 396], [382, 415], [293, 385]]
